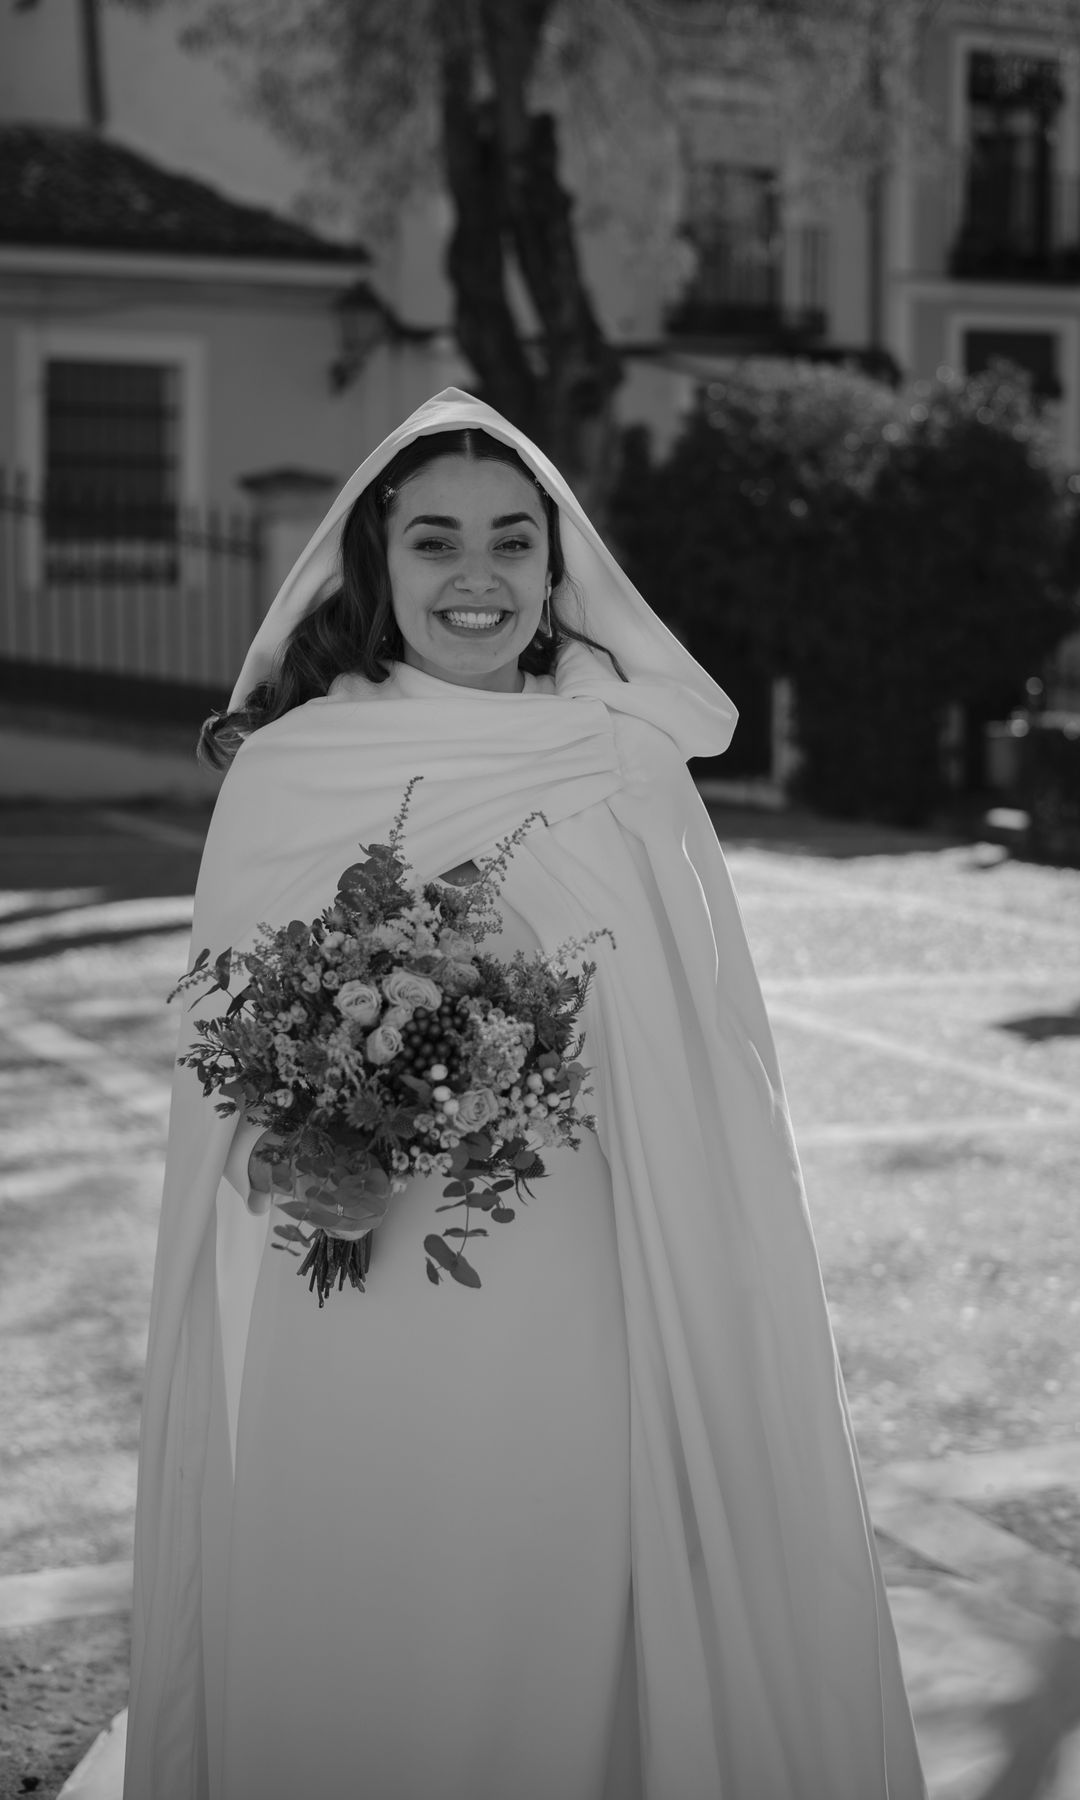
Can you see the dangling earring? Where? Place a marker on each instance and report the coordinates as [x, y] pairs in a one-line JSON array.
[[545, 628]]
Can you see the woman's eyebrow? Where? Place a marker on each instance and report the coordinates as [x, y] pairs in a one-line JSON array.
[[450, 524]]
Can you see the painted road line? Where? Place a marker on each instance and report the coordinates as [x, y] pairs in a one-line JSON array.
[[962, 1541], [159, 830], [127, 1084], [991, 1475], [31, 1187], [823, 986], [41, 900], [85, 1592], [1022, 1086], [127, 918], [842, 1136], [823, 889]]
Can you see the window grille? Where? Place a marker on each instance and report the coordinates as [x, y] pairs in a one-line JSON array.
[[1013, 190], [112, 471], [734, 225]]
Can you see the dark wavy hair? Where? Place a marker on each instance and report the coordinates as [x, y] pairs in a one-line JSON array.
[[353, 629]]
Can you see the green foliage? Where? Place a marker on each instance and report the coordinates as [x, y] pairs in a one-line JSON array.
[[891, 553]]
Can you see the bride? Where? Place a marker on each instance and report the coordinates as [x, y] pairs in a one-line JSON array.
[[596, 1530]]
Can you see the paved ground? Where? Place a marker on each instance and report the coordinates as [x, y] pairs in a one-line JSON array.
[[926, 1001]]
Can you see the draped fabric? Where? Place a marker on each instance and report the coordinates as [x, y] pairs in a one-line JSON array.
[[767, 1664]]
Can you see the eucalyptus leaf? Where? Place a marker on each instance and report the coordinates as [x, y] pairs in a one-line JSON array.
[[452, 1261]]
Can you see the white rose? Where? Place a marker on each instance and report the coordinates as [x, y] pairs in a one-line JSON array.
[[478, 1107], [397, 1016], [404, 987], [383, 1044], [456, 946], [359, 1002], [457, 977]]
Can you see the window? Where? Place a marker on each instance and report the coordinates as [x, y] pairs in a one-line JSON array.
[[1035, 351], [733, 223], [112, 470], [1014, 202]]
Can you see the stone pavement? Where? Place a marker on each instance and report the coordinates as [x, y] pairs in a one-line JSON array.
[[988, 1625], [989, 1628]]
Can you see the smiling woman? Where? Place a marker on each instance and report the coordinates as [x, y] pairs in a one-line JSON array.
[[598, 1530], [468, 556], [413, 549]]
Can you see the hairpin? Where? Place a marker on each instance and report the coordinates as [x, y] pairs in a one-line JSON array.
[[385, 494]]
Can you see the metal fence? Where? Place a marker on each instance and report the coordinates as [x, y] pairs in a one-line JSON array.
[[168, 594]]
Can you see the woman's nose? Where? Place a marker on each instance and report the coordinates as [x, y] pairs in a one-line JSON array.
[[476, 581]]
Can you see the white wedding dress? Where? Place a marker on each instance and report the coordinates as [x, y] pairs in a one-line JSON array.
[[422, 1587]]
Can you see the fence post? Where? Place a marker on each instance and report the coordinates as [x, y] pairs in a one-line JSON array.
[[288, 505]]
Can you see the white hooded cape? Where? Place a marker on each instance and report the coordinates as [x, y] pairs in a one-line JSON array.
[[767, 1664]]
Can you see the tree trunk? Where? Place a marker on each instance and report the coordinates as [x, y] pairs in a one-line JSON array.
[[484, 324], [502, 169]]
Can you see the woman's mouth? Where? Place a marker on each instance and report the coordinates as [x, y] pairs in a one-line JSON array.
[[475, 621]]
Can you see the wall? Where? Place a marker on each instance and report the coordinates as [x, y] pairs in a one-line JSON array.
[[266, 398]]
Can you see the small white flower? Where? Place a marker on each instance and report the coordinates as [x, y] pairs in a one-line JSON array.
[[391, 936], [282, 1096]]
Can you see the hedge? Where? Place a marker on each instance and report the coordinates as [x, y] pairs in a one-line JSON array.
[[889, 552]]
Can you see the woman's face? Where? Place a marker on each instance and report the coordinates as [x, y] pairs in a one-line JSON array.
[[468, 539]]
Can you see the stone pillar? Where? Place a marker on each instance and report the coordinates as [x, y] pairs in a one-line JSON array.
[[288, 506]]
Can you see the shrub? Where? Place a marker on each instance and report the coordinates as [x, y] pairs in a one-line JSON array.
[[890, 553]]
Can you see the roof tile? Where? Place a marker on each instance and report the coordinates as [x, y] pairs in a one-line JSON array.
[[61, 186]]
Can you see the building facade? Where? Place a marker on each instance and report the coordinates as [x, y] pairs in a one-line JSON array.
[[183, 341], [985, 246]]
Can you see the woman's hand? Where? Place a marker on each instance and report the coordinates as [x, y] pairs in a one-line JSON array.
[[266, 1173], [344, 1206]]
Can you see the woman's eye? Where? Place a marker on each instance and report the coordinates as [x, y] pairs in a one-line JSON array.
[[430, 544], [519, 543]]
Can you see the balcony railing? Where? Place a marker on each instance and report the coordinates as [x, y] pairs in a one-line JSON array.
[[751, 286], [1012, 224]]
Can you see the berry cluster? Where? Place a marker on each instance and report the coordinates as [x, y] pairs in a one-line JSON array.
[[428, 1040]]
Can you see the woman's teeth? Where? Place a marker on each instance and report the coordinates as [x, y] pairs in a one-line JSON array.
[[473, 621]]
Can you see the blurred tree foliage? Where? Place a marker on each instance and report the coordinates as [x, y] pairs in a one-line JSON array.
[[890, 553]]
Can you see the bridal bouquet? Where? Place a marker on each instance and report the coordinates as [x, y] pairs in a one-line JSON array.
[[378, 1042]]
